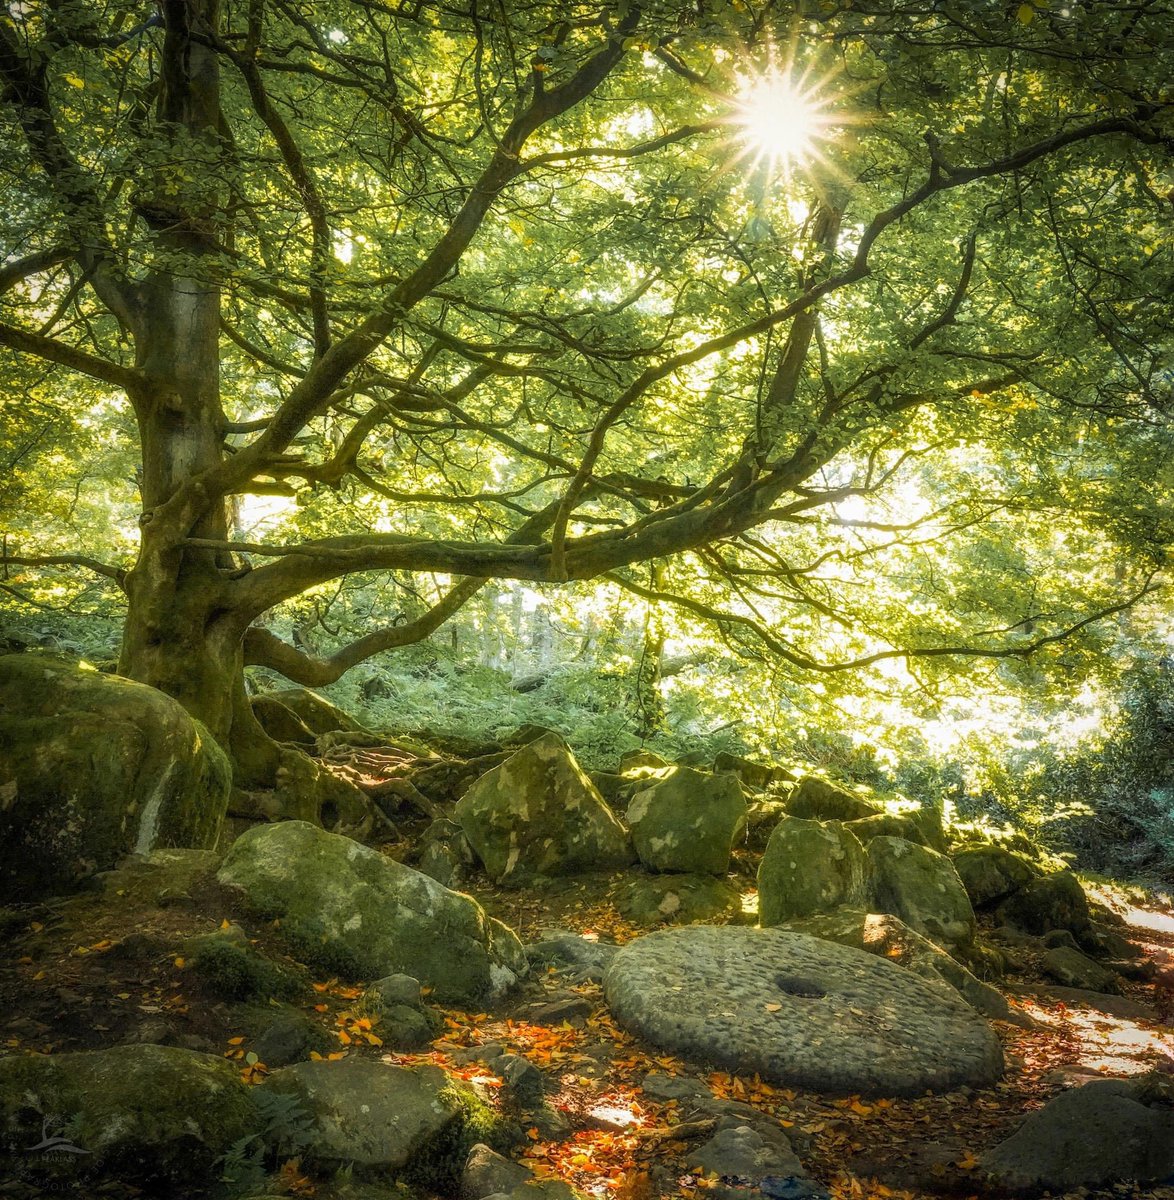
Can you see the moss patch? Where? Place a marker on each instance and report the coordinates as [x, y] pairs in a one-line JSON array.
[[437, 1166], [234, 970]]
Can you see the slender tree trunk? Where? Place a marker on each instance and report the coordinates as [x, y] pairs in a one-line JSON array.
[[649, 701]]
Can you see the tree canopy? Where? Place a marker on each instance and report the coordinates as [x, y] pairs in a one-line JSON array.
[[543, 292]]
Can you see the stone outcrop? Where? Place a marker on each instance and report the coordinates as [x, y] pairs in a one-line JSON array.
[[347, 908], [538, 814], [93, 767]]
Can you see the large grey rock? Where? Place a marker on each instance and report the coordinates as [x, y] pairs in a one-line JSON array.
[[921, 825], [93, 767], [445, 853], [142, 1114], [990, 873], [922, 888], [890, 938], [742, 1151], [290, 1038], [648, 900], [345, 907], [369, 1113], [688, 821], [816, 799], [539, 1189], [538, 814], [634, 760], [810, 867], [755, 775], [799, 1011], [1098, 1134]]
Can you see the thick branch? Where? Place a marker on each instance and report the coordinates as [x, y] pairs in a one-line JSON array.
[[19, 269], [313, 392], [118, 574], [70, 356], [28, 85], [265, 649]]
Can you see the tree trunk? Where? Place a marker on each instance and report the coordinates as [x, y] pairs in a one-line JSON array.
[[179, 636]]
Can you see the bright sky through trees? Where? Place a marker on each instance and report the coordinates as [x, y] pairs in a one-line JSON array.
[[780, 119]]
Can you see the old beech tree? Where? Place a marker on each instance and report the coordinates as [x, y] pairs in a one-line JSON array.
[[551, 283]]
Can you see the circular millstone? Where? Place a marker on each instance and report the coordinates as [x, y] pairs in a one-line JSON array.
[[798, 1010]]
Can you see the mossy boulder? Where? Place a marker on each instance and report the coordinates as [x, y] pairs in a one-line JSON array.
[[1049, 902], [755, 775], [315, 712], [1070, 968], [369, 1113], [347, 908], [648, 900], [810, 867], [816, 799], [1097, 1135], [688, 821], [538, 814], [922, 888], [890, 938], [93, 767], [888, 825], [290, 1037], [990, 873], [634, 760], [142, 1114], [280, 721], [231, 968]]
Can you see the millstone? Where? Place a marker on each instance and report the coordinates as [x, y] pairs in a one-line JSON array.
[[799, 1011]]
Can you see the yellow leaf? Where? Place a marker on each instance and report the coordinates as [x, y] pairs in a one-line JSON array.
[[1026, 14], [225, 923], [772, 1007], [236, 1041], [180, 962], [75, 81]]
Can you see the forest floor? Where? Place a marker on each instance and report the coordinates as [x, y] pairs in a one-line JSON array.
[[104, 969]]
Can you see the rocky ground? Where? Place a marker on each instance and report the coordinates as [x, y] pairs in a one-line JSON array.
[[261, 1030], [617, 1118]]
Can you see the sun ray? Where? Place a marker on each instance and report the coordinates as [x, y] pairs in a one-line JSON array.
[[780, 121]]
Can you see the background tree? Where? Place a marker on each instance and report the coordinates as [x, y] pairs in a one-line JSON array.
[[534, 292]]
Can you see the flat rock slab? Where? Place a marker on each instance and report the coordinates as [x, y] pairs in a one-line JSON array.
[[799, 1011]]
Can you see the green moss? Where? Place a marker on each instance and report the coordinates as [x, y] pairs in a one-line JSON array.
[[437, 1166], [235, 971]]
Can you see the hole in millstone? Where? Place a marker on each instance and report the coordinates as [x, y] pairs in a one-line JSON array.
[[797, 985]]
